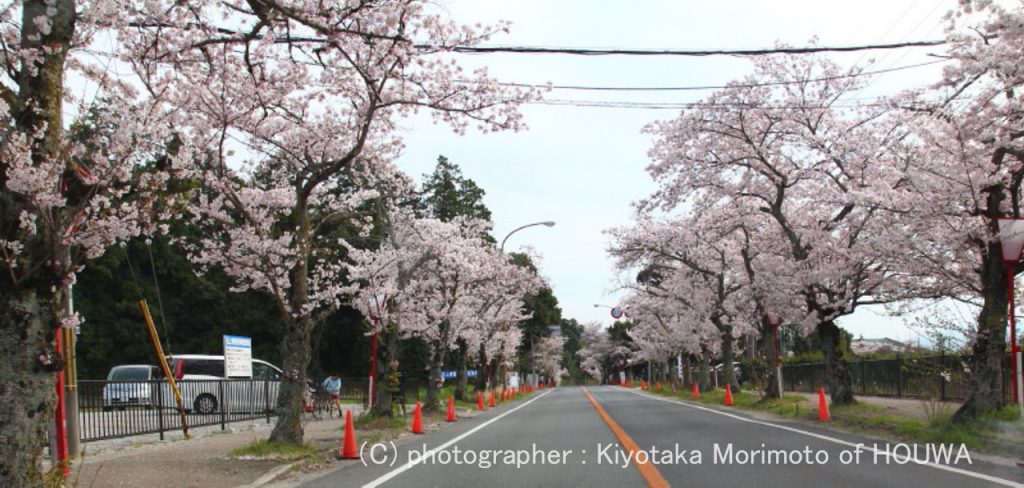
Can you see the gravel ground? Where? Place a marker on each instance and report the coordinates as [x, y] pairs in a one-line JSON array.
[[907, 407]]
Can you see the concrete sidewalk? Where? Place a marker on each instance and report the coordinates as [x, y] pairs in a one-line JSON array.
[[201, 461]]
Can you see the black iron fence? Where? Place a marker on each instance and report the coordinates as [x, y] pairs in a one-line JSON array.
[[111, 409], [941, 377]]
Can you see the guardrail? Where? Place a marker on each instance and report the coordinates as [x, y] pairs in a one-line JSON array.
[[112, 409]]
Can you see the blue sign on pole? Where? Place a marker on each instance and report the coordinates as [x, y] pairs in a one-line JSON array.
[[450, 374]]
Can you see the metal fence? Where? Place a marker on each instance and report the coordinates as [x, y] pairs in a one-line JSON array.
[[942, 377], [111, 409]]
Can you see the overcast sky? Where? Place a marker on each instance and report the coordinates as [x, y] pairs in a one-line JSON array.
[[582, 167]]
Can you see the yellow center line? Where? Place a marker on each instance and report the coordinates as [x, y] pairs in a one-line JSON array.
[[646, 468]]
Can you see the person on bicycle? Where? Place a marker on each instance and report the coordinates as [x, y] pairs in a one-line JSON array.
[[332, 385]]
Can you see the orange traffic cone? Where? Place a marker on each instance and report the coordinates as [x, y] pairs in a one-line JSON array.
[[657, 386], [348, 444], [728, 396], [479, 400], [823, 415], [695, 393], [451, 409], [490, 402], [417, 420]]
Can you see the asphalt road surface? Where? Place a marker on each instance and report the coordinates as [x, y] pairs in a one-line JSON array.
[[610, 436]]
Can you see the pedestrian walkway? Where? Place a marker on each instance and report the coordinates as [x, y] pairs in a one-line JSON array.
[[201, 461]]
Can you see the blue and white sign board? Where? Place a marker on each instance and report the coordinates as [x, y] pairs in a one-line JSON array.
[[237, 356], [450, 374]]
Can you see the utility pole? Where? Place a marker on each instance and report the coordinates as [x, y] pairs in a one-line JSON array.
[[71, 381]]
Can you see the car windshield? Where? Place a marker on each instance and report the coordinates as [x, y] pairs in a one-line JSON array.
[[140, 373]]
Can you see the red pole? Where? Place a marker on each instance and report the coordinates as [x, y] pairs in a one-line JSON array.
[[1013, 333], [373, 365], [58, 417]]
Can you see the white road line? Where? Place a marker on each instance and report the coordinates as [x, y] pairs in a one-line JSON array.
[[405, 467], [993, 479]]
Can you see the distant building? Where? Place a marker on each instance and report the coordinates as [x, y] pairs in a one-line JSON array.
[[883, 345]]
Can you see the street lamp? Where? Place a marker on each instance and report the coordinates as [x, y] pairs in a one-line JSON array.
[[517, 229], [1011, 242], [546, 223]]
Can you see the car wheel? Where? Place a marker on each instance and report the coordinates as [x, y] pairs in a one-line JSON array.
[[205, 404]]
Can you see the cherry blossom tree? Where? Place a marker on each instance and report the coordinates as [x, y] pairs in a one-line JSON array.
[[595, 351], [965, 165], [548, 357], [443, 282], [698, 269], [791, 155], [69, 189], [289, 101]]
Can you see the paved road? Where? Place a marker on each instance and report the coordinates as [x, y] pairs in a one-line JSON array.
[[584, 447]]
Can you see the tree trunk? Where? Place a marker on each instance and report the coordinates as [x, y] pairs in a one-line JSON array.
[[840, 381], [386, 356], [461, 380], [435, 382], [728, 371], [984, 393], [296, 340], [483, 373], [704, 371], [767, 346], [28, 309], [295, 356], [27, 394]]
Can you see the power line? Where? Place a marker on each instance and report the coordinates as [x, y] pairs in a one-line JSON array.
[[867, 102], [674, 52], [712, 87]]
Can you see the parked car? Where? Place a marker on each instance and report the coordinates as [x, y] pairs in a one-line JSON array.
[[130, 385], [720, 371], [201, 380]]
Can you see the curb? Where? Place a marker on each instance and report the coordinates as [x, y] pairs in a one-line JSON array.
[[270, 475]]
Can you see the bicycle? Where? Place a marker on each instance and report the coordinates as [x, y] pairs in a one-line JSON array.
[[327, 405]]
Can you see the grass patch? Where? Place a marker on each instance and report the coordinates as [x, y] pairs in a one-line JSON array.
[[374, 422], [865, 418], [277, 450]]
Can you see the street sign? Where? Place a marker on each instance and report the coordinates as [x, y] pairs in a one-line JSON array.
[[450, 374], [616, 312], [237, 356]]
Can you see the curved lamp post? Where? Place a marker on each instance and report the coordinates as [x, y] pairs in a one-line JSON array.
[[546, 223]]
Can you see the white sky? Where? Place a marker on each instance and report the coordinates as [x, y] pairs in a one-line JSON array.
[[583, 167]]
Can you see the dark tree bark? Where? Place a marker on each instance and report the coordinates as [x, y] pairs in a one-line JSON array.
[[436, 381], [387, 355], [767, 346], [483, 373], [728, 359], [704, 371], [461, 378], [296, 340], [295, 356], [29, 306], [840, 381], [984, 392]]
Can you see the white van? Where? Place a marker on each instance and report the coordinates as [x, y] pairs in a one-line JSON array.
[[201, 378], [129, 385]]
